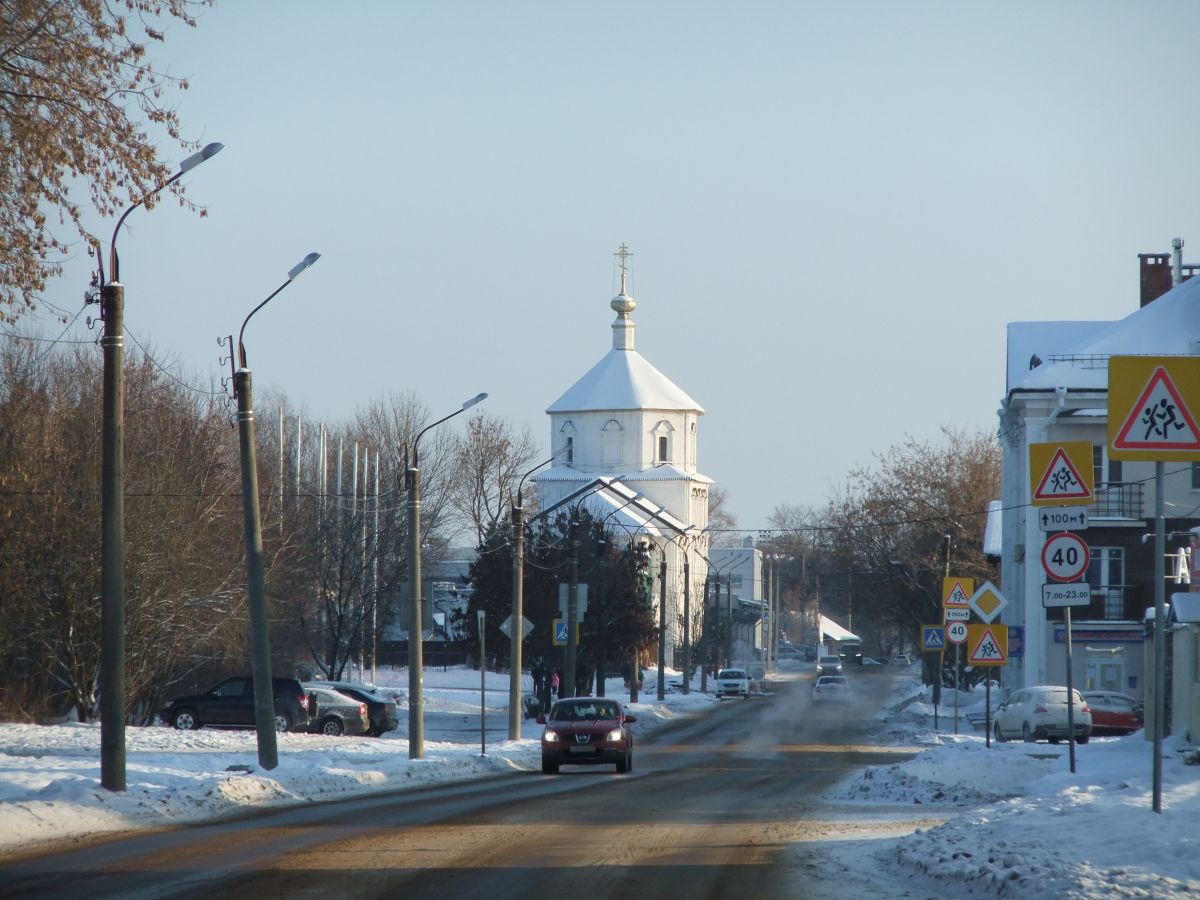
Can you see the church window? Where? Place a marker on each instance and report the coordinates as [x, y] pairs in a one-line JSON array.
[[610, 442], [568, 445], [663, 433]]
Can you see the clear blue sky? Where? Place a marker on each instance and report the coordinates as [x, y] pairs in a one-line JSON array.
[[834, 208]]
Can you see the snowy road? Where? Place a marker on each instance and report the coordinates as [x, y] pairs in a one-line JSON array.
[[720, 806]]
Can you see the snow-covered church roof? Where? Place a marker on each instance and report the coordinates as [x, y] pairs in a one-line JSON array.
[[623, 379], [1169, 326]]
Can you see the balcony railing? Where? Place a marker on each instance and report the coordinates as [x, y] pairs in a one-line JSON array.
[[1118, 500]]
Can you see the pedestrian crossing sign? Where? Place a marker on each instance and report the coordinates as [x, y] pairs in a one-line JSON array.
[[1151, 408], [560, 632], [1060, 472], [933, 638], [987, 645]]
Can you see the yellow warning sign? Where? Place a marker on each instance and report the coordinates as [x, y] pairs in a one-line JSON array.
[[987, 645], [1152, 406], [956, 591], [1061, 472]]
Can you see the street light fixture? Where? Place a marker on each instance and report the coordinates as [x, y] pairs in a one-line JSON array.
[[243, 391], [112, 503], [416, 700]]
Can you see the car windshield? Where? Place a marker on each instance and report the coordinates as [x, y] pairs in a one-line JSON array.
[[731, 673], [584, 711]]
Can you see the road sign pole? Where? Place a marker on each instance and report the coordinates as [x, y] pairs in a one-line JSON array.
[[957, 675], [1160, 614], [1070, 698]]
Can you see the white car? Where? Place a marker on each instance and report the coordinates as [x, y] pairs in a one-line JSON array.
[[733, 683], [831, 687], [1037, 713]]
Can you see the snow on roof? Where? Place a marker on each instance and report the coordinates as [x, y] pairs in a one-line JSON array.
[[623, 379], [993, 537], [606, 496], [1167, 327], [835, 632]]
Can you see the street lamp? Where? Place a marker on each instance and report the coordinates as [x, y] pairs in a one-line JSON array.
[[243, 390], [518, 608], [416, 701], [112, 504]]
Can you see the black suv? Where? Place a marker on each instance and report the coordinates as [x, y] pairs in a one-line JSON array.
[[231, 704]]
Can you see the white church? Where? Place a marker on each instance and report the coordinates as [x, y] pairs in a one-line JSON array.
[[624, 442]]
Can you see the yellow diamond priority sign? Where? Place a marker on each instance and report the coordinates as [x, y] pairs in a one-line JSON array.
[[988, 602]]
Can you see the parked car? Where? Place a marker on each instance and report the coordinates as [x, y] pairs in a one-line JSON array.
[[829, 664], [789, 651], [382, 708], [230, 704], [587, 731], [337, 713], [1038, 713], [831, 687], [733, 683], [1114, 713]]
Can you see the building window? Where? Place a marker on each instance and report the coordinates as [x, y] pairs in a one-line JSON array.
[[610, 442], [1106, 575], [1111, 475], [662, 448], [569, 456]]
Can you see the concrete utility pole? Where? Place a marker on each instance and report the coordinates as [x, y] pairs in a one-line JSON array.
[[264, 695], [662, 629], [416, 668], [112, 500], [518, 608], [687, 624], [112, 542], [567, 688]]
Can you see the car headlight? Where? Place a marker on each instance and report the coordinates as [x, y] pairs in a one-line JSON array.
[[615, 735], [550, 737]]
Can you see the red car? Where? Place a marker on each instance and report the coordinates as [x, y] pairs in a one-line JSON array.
[[587, 731], [1114, 713]]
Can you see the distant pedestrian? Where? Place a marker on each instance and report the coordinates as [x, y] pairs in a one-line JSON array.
[[554, 682]]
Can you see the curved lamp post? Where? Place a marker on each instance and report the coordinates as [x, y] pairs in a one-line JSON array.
[[517, 623], [264, 702], [416, 700], [112, 503]]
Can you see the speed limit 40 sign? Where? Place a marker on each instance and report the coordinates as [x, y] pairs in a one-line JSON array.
[[1066, 556], [956, 632]]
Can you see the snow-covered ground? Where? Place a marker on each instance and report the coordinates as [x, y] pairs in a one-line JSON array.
[[1027, 826]]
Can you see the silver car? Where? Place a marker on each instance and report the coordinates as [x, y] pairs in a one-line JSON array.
[[1040, 713], [337, 714]]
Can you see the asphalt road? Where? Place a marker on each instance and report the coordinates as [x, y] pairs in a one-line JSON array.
[[718, 806]]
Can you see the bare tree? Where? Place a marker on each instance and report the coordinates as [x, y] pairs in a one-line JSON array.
[[722, 523], [77, 95], [490, 458]]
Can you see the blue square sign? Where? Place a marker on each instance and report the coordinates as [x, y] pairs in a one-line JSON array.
[[933, 637]]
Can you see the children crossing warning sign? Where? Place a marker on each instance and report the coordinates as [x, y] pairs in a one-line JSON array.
[[956, 592], [987, 645], [1061, 472], [1150, 408]]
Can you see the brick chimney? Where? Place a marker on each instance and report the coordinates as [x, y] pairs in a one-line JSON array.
[[1155, 275]]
